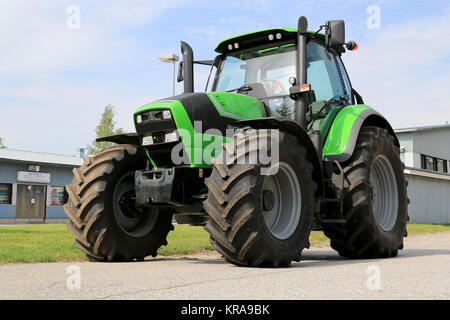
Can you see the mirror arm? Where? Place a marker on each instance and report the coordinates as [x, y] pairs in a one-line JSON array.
[[205, 62], [315, 33]]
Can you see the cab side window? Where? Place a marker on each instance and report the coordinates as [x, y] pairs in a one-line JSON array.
[[323, 74], [348, 86]]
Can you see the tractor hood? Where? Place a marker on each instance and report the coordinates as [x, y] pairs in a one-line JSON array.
[[196, 111]]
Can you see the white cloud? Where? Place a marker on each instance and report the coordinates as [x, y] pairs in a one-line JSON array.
[[35, 38], [56, 81], [404, 71]]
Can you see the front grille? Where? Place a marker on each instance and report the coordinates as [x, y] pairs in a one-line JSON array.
[[152, 115], [152, 122], [145, 128]]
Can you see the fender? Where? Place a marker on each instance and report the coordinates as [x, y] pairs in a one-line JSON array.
[[292, 127], [341, 139], [126, 138]]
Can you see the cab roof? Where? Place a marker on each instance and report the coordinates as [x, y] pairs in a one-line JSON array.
[[260, 37]]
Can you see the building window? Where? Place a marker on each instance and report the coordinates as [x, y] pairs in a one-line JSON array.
[[441, 165], [430, 165], [5, 193], [434, 164], [58, 196]]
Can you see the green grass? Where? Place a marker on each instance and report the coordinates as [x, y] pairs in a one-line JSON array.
[[37, 243], [414, 228], [186, 239], [52, 242]]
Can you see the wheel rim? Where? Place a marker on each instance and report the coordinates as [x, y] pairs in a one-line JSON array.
[[384, 193], [281, 202], [132, 220]]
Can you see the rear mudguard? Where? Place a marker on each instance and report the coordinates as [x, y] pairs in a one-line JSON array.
[[292, 127], [126, 138], [341, 139]]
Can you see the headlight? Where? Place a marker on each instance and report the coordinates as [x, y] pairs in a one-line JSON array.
[[171, 137], [147, 141], [167, 114]]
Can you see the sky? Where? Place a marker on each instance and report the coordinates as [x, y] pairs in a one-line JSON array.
[[62, 62]]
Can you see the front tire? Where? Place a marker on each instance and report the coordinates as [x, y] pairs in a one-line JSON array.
[[261, 220], [103, 217], [375, 199]]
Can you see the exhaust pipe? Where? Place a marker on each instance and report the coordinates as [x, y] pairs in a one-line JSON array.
[[300, 112], [188, 67]]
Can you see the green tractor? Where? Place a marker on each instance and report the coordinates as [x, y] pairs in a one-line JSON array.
[[280, 145]]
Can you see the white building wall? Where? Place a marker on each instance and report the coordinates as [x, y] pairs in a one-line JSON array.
[[412, 159], [429, 192], [435, 143], [429, 199]]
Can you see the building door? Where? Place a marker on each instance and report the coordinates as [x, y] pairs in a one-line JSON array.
[[30, 203]]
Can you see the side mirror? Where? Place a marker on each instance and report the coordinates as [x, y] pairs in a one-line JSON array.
[[180, 72], [187, 67], [335, 33]]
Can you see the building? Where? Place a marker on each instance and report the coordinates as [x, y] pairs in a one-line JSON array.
[[426, 154], [32, 185]]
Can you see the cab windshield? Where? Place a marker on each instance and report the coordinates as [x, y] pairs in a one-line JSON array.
[[267, 69], [264, 73]]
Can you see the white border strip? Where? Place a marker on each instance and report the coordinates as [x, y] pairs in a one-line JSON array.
[[427, 174]]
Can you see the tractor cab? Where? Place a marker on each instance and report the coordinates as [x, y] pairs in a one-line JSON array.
[[262, 65]]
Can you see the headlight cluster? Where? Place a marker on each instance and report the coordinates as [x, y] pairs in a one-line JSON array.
[[231, 46], [160, 138], [153, 115]]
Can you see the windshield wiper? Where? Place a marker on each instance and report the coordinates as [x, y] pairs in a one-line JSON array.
[[243, 88]]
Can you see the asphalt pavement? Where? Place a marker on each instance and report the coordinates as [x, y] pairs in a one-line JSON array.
[[421, 271]]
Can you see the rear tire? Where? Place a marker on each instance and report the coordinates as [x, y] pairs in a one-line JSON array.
[[260, 220], [103, 217], [375, 199]]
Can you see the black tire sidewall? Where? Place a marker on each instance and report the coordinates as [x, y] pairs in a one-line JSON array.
[[393, 237], [124, 242], [291, 153]]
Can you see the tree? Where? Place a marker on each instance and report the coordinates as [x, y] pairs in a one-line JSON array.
[[285, 109], [2, 146], [105, 128]]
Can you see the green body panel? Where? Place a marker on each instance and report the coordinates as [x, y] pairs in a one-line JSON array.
[[341, 128], [236, 106], [199, 146], [326, 123]]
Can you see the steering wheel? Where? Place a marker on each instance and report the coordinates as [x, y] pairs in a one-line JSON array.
[[275, 85]]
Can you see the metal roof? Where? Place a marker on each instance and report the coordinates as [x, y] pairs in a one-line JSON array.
[[40, 157], [423, 128]]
